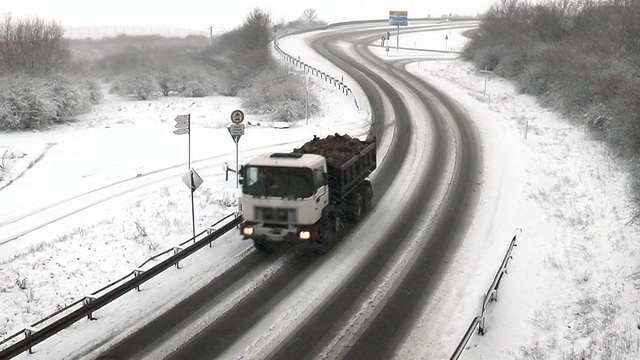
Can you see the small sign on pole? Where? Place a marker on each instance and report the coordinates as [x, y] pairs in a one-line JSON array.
[[182, 124], [192, 183], [236, 130], [237, 116]]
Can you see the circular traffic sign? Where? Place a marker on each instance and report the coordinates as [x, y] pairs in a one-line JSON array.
[[237, 116]]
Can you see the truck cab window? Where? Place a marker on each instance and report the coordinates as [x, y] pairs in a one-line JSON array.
[[274, 181], [319, 178]]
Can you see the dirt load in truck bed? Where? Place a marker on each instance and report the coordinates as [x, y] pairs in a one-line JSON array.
[[337, 148]]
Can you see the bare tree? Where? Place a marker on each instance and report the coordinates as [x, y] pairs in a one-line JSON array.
[[32, 46], [310, 15]]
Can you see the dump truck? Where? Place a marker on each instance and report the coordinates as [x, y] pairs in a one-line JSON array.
[[302, 198]]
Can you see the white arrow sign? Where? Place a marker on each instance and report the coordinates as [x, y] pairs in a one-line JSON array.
[[182, 121]]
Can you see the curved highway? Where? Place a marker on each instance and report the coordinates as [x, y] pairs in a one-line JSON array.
[[358, 301]]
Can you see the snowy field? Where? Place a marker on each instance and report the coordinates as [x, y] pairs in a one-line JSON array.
[[571, 290]]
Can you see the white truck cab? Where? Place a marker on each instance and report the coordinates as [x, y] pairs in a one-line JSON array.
[[282, 192]]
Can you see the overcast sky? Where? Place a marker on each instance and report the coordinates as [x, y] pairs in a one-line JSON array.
[[225, 14]]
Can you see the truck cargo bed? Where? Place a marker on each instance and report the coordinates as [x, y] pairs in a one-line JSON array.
[[349, 161]]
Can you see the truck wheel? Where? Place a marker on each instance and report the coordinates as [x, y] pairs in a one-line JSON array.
[[367, 196], [324, 244], [356, 207]]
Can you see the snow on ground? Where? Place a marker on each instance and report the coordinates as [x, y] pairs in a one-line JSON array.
[[127, 141], [571, 289]]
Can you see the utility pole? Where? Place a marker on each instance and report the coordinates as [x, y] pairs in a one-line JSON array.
[[210, 36]]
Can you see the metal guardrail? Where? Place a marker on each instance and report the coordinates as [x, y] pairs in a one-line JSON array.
[[34, 335], [310, 69], [490, 295]]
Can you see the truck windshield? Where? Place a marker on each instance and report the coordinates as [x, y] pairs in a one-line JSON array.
[[284, 182]]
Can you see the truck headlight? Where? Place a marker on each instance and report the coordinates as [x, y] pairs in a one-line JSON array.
[[247, 231], [308, 235]]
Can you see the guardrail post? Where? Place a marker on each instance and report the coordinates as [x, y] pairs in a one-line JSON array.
[[210, 231], [137, 272], [176, 250], [481, 329], [28, 331], [88, 299]]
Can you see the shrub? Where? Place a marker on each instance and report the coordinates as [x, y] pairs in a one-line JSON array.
[[195, 88], [279, 93], [95, 92], [68, 96], [194, 82], [168, 81], [36, 101], [143, 86], [26, 102]]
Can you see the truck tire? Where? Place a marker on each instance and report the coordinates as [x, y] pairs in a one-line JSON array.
[[324, 243], [356, 206], [367, 196]]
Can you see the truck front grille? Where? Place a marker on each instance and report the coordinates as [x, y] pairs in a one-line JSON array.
[[281, 215]]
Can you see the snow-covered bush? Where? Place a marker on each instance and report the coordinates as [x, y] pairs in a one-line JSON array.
[[143, 86], [68, 96], [195, 88], [95, 92], [280, 93], [27, 101], [168, 81]]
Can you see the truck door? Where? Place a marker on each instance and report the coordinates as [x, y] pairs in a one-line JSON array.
[[321, 194]]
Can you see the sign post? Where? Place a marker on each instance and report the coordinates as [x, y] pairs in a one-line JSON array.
[[193, 182], [485, 72], [183, 126], [397, 19], [236, 130]]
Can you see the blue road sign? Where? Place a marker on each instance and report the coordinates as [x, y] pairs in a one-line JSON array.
[[398, 21]]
